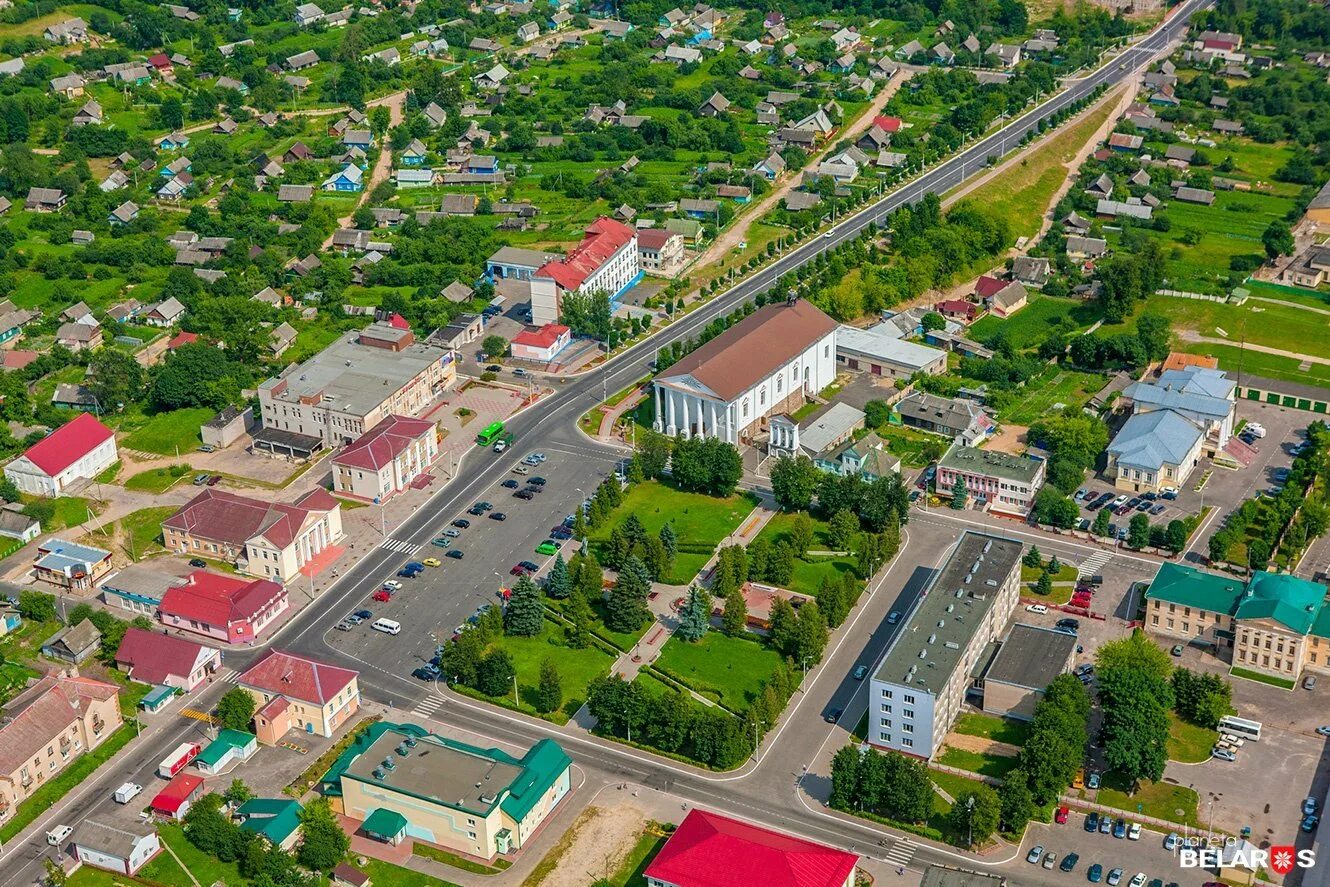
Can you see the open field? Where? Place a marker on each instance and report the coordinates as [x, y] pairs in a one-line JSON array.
[[170, 433], [1033, 323], [1051, 387], [1260, 322]]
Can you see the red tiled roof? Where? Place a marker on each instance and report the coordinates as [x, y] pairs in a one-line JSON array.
[[604, 237], [709, 850], [181, 339], [956, 306], [654, 238], [152, 657], [275, 706], [68, 444], [170, 799], [1219, 44], [225, 517], [306, 680], [987, 285], [541, 338], [219, 600], [887, 124], [160, 60], [383, 443], [44, 711]]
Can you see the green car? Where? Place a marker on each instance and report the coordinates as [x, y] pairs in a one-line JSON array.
[[547, 547], [443, 542], [1095, 873]]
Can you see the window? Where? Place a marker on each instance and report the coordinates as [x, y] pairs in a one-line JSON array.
[[909, 712], [884, 722], [886, 709], [884, 737], [908, 728], [908, 743], [909, 700], [1154, 620], [886, 694]]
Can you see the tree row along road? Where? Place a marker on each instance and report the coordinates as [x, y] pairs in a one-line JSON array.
[[554, 419]]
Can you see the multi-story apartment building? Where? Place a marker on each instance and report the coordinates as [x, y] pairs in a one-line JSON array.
[[919, 684], [606, 261]]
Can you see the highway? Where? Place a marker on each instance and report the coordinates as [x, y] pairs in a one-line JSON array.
[[774, 790]]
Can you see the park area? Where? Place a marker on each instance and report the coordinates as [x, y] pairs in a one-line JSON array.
[[728, 670], [701, 523], [811, 569]]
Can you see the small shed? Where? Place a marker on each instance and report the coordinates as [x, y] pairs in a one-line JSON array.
[[157, 698], [229, 747], [174, 801]]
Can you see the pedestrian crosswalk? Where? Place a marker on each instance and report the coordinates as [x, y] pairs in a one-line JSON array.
[[427, 706], [1093, 564], [199, 716], [229, 676], [400, 546], [901, 853]]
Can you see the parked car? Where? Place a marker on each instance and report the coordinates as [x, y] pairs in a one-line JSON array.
[[431, 562], [548, 547], [461, 523], [1308, 806], [454, 553], [1177, 650], [1072, 625], [1323, 730], [1134, 833], [1092, 821], [1095, 873], [1114, 878], [343, 626], [1060, 817], [832, 716], [58, 835], [1120, 500], [1069, 862], [426, 673], [1120, 829], [442, 542], [1223, 754], [1036, 853], [127, 792], [1036, 608], [1138, 879], [498, 515], [537, 481], [510, 484], [1171, 842], [1050, 859], [1158, 509], [382, 595], [1106, 825], [1309, 823], [1093, 781], [198, 563]]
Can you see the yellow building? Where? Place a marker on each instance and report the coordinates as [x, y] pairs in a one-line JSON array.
[[400, 781]]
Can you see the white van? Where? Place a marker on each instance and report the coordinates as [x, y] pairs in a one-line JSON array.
[[127, 792], [1255, 429], [58, 835], [387, 626]]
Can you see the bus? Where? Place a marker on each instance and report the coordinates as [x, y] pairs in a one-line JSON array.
[[491, 433], [1240, 727]]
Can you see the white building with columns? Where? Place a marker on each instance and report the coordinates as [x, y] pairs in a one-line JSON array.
[[769, 363]]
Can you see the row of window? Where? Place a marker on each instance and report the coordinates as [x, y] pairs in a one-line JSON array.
[[907, 698], [1279, 664], [885, 737]]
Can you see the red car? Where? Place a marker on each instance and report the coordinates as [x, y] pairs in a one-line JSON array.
[[1061, 816], [383, 595]]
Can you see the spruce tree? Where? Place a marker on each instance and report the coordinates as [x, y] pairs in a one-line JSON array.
[[695, 616], [559, 583], [734, 619], [549, 692], [524, 616]]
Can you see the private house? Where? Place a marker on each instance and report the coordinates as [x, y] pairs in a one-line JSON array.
[[390, 458], [123, 214], [88, 115], [868, 457], [44, 200], [74, 30], [964, 421], [358, 138], [882, 355], [414, 178], [49, 726], [349, 178], [175, 141], [1008, 300], [74, 644], [71, 86], [415, 153], [351, 386], [711, 850], [1031, 270], [399, 781], [166, 660], [920, 682], [307, 14], [491, 79], [993, 481], [541, 345], [293, 692], [1309, 269], [14, 524], [1275, 624], [1086, 247], [12, 320], [80, 336], [164, 314], [123, 845], [75, 452], [272, 540]]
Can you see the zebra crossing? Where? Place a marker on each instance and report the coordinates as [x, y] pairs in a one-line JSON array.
[[230, 677], [400, 546], [901, 853], [427, 706], [1093, 564]]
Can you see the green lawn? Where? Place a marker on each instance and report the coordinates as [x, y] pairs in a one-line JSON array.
[[394, 875], [1263, 323], [987, 765], [908, 444], [809, 571], [1253, 363], [1175, 803], [1273, 681], [64, 781], [1032, 324], [700, 522], [992, 727], [631, 872], [168, 434], [69, 511], [1065, 573], [157, 480], [577, 668], [1189, 743], [143, 530], [730, 670]]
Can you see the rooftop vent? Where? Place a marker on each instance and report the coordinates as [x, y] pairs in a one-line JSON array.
[[402, 751], [378, 773], [992, 582], [410, 742], [923, 654], [950, 607], [967, 578], [960, 593], [952, 645], [942, 623], [932, 638]]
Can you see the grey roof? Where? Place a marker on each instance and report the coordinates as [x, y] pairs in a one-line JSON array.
[[832, 425], [886, 348], [1120, 208], [1090, 246], [1322, 198], [1022, 469], [1152, 440], [1185, 399], [954, 413], [958, 596], [117, 840], [1031, 656], [527, 258]]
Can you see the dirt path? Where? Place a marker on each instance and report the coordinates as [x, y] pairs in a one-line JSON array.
[[601, 843], [737, 233], [981, 746], [383, 166], [1193, 336], [1296, 305]]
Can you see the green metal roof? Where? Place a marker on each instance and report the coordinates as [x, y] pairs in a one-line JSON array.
[[542, 765], [273, 818], [1189, 587], [225, 742], [384, 823], [1290, 601]]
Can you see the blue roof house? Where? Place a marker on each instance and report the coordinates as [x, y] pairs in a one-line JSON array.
[[1153, 450], [350, 178]]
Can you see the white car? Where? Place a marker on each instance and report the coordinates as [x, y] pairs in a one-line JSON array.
[[1173, 490], [1171, 842], [1134, 832], [1121, 500], [1223, 754], [1138, 880], [393, 585], [57, 836], [1256, 429], [1036, 608]]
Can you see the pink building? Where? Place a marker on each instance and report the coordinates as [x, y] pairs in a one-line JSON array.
[[223, 607], [542, 344]]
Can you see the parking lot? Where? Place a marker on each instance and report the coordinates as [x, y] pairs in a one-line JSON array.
[[1145, 855], [433, 604]]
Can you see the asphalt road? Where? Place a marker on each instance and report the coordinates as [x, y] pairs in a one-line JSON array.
[[492, 547]]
